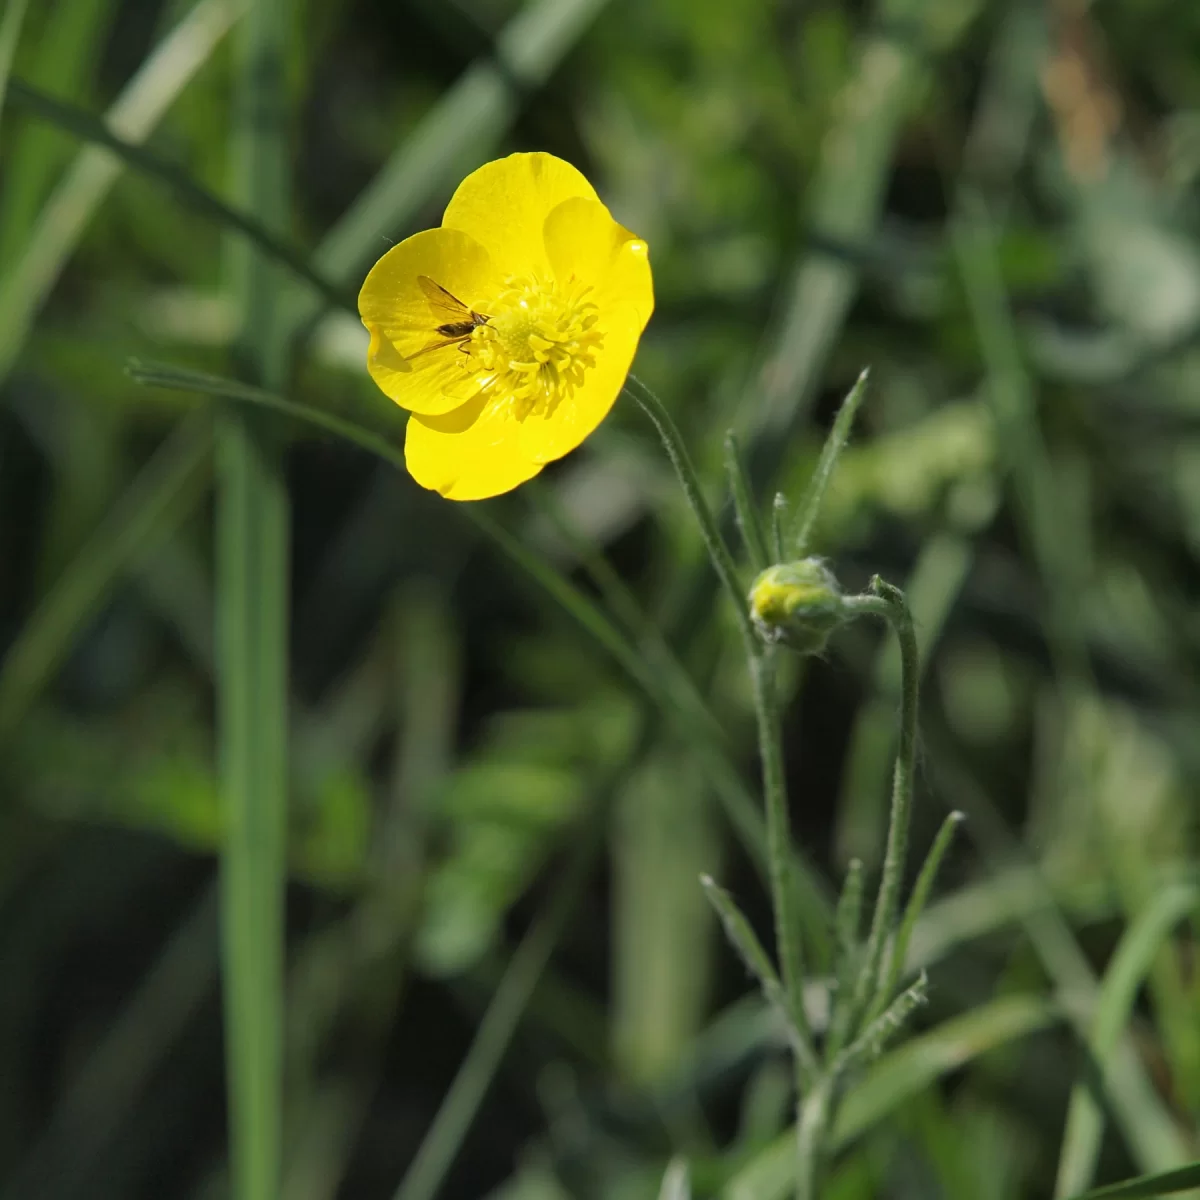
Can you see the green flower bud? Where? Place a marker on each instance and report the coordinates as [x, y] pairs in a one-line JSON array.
[[798, 604]]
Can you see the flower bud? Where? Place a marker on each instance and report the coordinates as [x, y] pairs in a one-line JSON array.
[[798, 604]]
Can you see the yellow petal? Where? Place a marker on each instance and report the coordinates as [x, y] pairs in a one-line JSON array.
[[469, 454], [504, 206], [585, 243], [402, 322], [547, 437]]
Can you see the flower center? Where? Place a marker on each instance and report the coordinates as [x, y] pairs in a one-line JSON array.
[[537, 345]]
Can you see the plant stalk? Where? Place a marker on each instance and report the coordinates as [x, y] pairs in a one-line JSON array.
[[787, 934]]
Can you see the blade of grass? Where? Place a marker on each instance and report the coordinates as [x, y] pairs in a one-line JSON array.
[[83, 125], [62, 55], [1152, 1136], [846, 198], [115, 1073], [252, 621], [10, 35], [170, 485], [1127, 971], [1164, 1183], [1053, 546], [135, 113], [461, 1103]]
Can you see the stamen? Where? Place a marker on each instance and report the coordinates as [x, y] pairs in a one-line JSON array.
[[537, 346]]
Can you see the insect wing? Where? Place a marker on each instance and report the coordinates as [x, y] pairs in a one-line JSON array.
[[442, 301], [437, 345]]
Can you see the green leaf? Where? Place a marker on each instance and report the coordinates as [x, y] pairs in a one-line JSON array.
[[895, 1079], [1118, 992], [10, 35], [750, 950], [743, 505], [83, 125], [253, 520], [134, 115], [170, 485], [835, 443], [1164, 1183]]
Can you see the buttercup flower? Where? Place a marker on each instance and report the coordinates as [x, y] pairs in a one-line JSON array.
[[509, 331]]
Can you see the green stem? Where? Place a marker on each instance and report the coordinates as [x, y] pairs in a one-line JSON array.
[[787, 938], [812, 1138], [888, 602], [788, 945]]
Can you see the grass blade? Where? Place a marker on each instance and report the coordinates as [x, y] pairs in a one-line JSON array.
[[136, 112], [252, 620], [87, 127], [460, 1104], [1165, 1183], [169, 486], [1147, 1126], [847, 197], [10, 35], [1118, 992]]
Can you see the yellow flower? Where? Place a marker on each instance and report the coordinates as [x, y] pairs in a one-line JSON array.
[[509, 331]]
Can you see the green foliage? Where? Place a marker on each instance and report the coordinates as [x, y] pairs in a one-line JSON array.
[[520, 732]]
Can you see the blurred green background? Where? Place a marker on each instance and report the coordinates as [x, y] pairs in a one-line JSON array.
[[496, 826]]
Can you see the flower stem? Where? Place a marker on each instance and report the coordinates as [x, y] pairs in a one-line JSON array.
[[788, 945], [766, 709], [812, 1137]]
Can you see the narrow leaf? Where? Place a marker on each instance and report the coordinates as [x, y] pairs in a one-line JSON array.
[[1164, 1183], [835, 443], [1119, 989], [84, 125], [750, 950], [743, 505], [871, 1042], [914, 908]]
